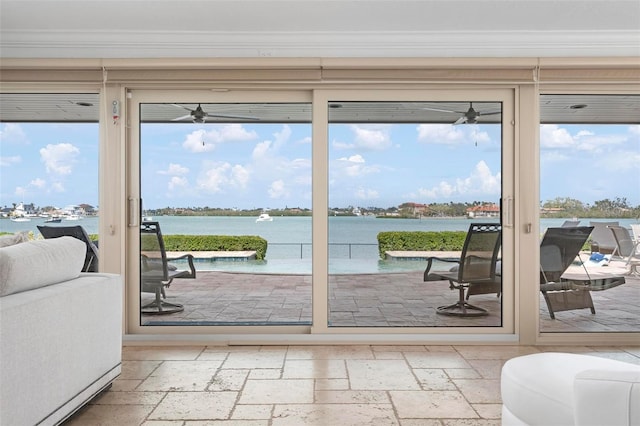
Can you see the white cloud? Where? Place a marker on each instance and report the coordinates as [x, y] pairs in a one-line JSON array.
[[366, 194], [620, 161], [261, 150], [13, 133], [634, 130], [197, 141], [374, 137], [38, 183], [239, 176], [8, 161], [278, 189], [371, 137], [583, 133], [353, 166], [174, 170], [282, 136], [552, 157], [448, 134], [57, 187], [205, 141], [177, 182], [553, 136], [443, 189], [221, 177], [300, 163], [440, 133], [353, 159], [481, 181], [20, 191], [59, 158]]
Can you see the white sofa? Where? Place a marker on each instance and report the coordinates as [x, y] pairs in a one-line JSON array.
[[550, 389], [60, 331]]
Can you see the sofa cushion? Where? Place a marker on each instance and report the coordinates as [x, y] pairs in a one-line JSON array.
[[538, 389], [12, 239], [40, 263]]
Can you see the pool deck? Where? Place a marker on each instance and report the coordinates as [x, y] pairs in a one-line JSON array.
[[238, 255], [399, 299], [420, 255]]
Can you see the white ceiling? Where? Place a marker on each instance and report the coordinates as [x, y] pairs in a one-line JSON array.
[[318, 28]]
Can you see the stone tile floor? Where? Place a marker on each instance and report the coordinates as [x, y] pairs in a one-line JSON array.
[[312, 385], [364, 300]]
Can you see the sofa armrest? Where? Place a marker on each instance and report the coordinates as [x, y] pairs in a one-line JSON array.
[[607, 397]]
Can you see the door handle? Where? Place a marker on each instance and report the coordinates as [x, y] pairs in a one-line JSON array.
[[508, 214], [133, 219]]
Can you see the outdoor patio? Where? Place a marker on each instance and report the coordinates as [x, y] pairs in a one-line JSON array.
[[370, 300]]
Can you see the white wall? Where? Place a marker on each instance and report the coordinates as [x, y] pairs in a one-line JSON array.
[[318, 28]]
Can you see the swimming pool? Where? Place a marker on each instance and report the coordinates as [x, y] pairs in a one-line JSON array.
[[303, 266]]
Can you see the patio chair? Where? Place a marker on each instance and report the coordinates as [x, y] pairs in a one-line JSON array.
[[635, 230], [156, 273], [627, 248], [602, 240], [570, 223], [77, 231], [558, 250], [476, 266]]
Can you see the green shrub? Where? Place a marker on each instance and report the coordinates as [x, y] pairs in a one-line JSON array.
[[194, 243], [420, 241]]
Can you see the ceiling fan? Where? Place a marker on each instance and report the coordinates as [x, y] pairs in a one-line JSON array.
[[469, 116], [199, 115]]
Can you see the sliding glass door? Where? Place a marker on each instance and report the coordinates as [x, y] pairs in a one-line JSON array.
[[407, 182], [224, 212], [317, 212]]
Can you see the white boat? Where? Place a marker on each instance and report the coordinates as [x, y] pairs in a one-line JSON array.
[[264, 217], [72, 217], [20, 219]]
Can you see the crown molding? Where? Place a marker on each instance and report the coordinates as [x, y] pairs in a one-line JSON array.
[[192, 44]]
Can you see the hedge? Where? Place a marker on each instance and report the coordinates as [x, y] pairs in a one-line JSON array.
[[420, 241], [194, 243]]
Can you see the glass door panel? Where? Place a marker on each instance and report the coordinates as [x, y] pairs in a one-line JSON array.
[[406, 182], [589, 168], [226, 189]]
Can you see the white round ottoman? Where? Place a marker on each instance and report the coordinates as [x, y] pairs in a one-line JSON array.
[[567, 389]]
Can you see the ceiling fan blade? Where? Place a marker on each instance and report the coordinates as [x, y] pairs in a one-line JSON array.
[[460, 120], [240, 117], [442, 110], [489, 113], [182, 106], [184, 117]]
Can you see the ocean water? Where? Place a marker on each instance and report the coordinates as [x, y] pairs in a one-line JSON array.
[[352, 240]]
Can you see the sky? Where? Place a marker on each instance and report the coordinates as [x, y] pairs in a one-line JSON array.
[[248, 166]]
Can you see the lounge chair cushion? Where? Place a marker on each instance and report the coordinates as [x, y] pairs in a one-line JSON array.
[[39, 263]]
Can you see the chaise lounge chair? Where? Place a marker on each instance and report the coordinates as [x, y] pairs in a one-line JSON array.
[[156, 273], [77, 231], [476, 266], [627, 248], [559, 249], [602, 240]]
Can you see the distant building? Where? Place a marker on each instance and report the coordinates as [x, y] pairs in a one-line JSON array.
[[484, 210], [416, 209]]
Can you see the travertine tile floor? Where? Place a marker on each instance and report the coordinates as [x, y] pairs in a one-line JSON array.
[[312, 385]]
